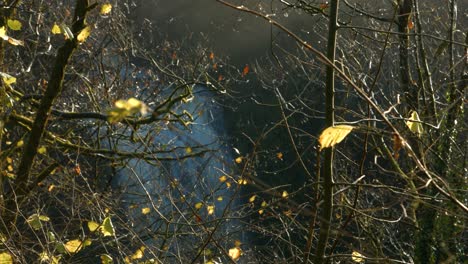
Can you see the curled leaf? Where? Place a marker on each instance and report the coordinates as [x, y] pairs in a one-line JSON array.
[[334, 135]]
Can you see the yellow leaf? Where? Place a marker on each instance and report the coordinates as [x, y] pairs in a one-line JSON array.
[[235, 253], [219, 198], [223, 178], [56, 29], [107, 228], [264, 204], [73, 246], [139, 253], [284, 194], [84, 34], [5, 258], [42, 150], [106, 259], [92, 226], [414, 123], [3, 34], [260, 211], [14, 24], [333, 135], [15, 42], [7, 79], [279, 155], [198, 206], [145, 210], [252, 199], [188, 150], [210, 209], [20, 143], [106, 9], [238, 160], [357, 257]]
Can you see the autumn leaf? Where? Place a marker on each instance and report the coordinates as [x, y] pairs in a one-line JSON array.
[[210, 209], [139, 253], [14, 24], [145, 210], [252, 198], [106, 9], [357, 257], [73, 246], [198, 206], [235, 253], [223, 178], [211, 56], [84, 34], [56, 29], [397, 144], [238, 160], [107, 228], [10, 40], [7, 79], [333, 135], [414, 124], [93, 226], [246, 70], [6, 258], [285, 194], [279, 155]]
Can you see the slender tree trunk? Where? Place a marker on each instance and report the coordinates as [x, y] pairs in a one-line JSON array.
[[327, 208]]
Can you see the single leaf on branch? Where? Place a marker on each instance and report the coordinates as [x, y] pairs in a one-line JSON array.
[[414, 124], [334, 135]]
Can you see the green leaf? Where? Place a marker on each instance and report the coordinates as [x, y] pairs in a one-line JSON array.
[[106, 259], [14, 24], [414, 124], [107, 228], [35, 221]]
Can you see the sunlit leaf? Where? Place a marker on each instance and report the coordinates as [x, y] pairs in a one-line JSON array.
[[279, 155], [15, 42], [106, 9], [219, 199], [93, 226], [125, 108], [20, 143], [56, 29], [42, 150], [139, 253], [235, 253], [188, 150], [252, 198], [285, 194], [14, 24], [410, 24], [3, 33], [198, 206], [211, 56], [145, 210], [414, 124], [106, 259], [6, 258], [357, 257], [238, 160], [210, 209], [84, 34], [7, 79], [107, 228], [73, 246], [333, 135], [264, 204], [223, 178]]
